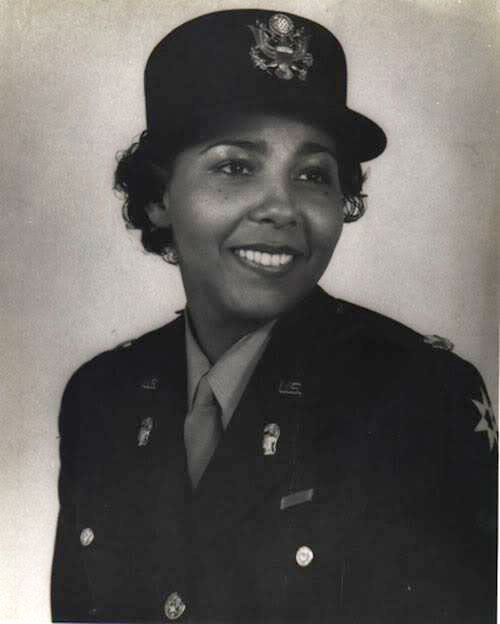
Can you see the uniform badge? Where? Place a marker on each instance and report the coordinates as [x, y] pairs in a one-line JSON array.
[[438, 342], [125, 345], [150, 383], [281, 49], [144, 431], [487, 422], [290, 388], [270, 439], [297, 498]]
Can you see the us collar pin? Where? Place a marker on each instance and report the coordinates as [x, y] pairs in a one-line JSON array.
[[281, 49], [150, 383], [144, 431], [290, 388], [270, 439]]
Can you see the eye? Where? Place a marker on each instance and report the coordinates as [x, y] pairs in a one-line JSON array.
[[315, 175], [235, 168]]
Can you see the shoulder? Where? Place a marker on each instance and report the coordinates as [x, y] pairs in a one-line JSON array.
[[337, 316], [433, 392], [382, 346], [101, 392], [120, 365]]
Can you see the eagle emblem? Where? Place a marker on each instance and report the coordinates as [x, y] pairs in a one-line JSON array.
[[281, 49]]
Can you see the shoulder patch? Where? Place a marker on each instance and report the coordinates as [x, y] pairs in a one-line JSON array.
[[487, 423], [438, 342]]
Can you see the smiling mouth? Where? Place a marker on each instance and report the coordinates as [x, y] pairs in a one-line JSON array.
[[265, 260]]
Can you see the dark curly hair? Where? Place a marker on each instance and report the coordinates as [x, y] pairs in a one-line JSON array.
[[143, 169]]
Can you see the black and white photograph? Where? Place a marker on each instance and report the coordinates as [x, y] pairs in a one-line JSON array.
[[249, 302]]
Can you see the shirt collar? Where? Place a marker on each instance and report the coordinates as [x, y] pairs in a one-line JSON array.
[[229, 375]]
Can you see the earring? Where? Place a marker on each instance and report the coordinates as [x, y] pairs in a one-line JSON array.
[[169, 254], [353, 208]]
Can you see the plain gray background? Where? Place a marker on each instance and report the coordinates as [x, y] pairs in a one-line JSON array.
[[74, 282]]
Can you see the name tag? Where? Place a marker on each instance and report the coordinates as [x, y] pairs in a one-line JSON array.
[[297, 498]]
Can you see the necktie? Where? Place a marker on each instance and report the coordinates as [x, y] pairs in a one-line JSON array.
[[202, 430]]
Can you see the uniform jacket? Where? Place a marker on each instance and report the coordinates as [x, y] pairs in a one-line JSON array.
[[387, 441]]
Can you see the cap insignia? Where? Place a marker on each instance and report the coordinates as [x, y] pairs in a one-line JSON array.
[[281, 49]]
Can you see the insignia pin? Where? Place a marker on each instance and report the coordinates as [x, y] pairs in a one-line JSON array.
[[270, 439], [150, 383], [438, 342], [144, 431], [281, 49], [290, 388]]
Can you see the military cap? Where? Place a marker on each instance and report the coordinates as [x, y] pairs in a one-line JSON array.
[[255, 60]]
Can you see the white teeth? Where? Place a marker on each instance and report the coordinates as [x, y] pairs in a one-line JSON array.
[[264, 258]]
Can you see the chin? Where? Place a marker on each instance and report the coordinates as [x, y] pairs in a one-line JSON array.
[[264, 306]]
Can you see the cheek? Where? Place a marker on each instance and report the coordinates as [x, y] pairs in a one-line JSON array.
[[327, 225], [199, 221]]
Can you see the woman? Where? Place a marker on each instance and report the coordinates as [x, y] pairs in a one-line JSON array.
[[273, 454]]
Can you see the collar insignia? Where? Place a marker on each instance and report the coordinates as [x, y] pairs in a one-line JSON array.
[[150, 383], [290, 388], [281, 49], [144, 431], [270, 439]]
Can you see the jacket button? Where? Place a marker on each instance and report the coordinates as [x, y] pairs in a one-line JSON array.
[[304, 556], [174, 607], [86, 537]]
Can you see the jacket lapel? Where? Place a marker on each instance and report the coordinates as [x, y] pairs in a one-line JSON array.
[[166, 410], [162, 479], [241, 476]]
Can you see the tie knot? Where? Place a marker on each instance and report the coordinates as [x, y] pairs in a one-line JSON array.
[[204, 396]]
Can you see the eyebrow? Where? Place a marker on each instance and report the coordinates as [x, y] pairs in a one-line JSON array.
[[316, 148], [253, 146], [260, 147]]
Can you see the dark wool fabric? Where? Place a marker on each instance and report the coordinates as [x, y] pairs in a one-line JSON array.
[[376, 422]]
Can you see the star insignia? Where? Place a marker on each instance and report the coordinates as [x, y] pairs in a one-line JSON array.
[[487, 422]]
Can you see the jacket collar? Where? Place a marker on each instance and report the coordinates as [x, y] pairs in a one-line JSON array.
[[281, 389]]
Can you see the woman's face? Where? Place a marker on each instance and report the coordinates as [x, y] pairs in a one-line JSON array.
[[256, 213]]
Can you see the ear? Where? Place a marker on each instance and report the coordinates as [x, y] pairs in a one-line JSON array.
[[159, 214]]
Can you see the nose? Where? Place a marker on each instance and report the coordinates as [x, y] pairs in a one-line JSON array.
[[276, 206]]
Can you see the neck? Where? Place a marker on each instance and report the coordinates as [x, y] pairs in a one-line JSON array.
[[215, 338]]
